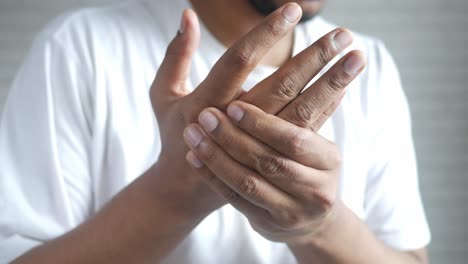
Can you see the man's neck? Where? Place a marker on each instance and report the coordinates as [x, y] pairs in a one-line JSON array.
[[228, 21]]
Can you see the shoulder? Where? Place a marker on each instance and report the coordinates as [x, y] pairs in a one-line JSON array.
[[98, 18], [104, 27]]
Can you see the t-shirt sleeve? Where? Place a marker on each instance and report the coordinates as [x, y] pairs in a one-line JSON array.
[[393, 206], [44, 143]]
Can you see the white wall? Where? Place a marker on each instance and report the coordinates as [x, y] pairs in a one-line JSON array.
[[429, 40]]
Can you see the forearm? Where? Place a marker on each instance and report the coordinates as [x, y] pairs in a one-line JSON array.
[[348, 240], [140, 225]]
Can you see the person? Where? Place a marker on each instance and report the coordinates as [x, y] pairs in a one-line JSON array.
[[263, 138]]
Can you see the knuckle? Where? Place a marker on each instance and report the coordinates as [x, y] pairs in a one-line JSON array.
[[258, 124], [277, 168], [242, 56], [286, 86], [324, 54], [290, 219], [336, 82], [274, 28], [297, 144], [249, 187], [270, 165], [303, 113], [324, 200]]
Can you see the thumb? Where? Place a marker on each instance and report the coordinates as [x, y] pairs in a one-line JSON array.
[[175, 68]]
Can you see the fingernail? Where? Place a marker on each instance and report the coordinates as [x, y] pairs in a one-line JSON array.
[[235, 112], [342, 39], [193, 160], [183, 24], [193, 136], [292, 12], [353, 65], [208, 121]]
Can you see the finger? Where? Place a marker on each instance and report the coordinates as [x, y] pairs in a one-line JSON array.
[[327, 113], [224, 82], [308, 107], [175, 68], [254, 213], [275, 92], [219, 187], [239, 178], [302, 145], [286, 174]]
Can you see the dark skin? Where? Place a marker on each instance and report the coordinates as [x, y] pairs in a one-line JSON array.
[[310, 8], [168, 210]]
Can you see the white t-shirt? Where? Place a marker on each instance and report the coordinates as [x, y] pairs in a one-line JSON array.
[[78, 127]]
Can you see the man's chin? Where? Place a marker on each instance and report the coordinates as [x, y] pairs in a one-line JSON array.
[[307, 17], [263, 7], [266, 7]]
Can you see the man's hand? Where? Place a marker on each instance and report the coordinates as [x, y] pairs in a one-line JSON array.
[[283, 176], [175, 108], [276, 169]]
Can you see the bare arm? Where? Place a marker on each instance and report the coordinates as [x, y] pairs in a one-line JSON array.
[[137, 226], [348, 240]]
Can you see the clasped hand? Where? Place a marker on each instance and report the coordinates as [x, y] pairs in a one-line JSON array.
[[283, 177]]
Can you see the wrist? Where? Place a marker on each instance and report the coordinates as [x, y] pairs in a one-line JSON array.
[[329, 227], [175, 185]]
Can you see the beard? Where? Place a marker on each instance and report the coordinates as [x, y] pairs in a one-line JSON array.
[[266, 7]]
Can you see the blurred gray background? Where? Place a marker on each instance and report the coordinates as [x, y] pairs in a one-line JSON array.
[[429, 40]]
